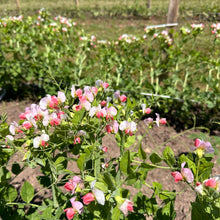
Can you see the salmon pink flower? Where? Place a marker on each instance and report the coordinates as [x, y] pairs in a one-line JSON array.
[[160, 120], [77, 140], [123, 98], [185, 174], [88, 198], [27, 125], [211, 183], [72, 184], [126, 206], [103, 103], [145, 110], [77, 207]]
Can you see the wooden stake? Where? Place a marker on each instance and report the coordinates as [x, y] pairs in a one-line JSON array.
[[18, 6], [173, 11]]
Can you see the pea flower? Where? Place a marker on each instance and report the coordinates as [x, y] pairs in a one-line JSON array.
[[11, 138], [41, 141], [185, 174], [160, 120], [202, 147], [145, 110], [72, 184], [14, 128], [77, 207], [129, 127], [126, 206], [96, 194], [209, 183]]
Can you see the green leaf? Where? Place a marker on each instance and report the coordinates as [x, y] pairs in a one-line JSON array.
[[116, 213], [198, 212], [130, 141], [78, 116], [80, 161], [141, 153], [169, 156], [40, 161], [157, 187], [155, 158], [102, 186], [27, 192], [10, 194], [125, 163]]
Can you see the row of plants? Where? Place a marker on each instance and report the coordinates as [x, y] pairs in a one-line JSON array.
[[94, 9], [69, 129], [171, 63]]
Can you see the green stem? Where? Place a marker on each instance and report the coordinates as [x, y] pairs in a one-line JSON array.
[[153, 165], [197, 171], [19, 203]]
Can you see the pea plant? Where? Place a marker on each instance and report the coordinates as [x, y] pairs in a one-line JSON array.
[[63, 135]]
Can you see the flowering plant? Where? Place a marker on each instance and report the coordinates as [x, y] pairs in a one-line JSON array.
[[63, 135]]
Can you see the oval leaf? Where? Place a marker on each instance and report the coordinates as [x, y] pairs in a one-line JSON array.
[[27, 192]]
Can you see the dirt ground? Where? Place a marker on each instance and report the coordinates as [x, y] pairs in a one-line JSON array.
[[156, 138]]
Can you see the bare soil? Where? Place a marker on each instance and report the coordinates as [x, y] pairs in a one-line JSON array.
[[156, 138]]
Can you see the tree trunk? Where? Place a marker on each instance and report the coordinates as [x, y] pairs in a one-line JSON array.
[[149, 4], [77, 3], [18, 6], [173, 11]]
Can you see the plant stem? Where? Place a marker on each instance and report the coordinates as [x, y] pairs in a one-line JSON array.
[[197, 171], [153, 165]]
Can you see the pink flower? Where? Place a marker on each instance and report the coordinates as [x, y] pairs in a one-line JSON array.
[[88, 198], [126, 206], [77, 207], [27, 125], [129, 127], [203, 146], [55, 121], [94, 90], [41, 141], [105, 149], [145, 110], [123, 98], [177, 176], [109, 129], [110, 112], [103, 103], [149, 121], [211, 183], [72, 184], [160, 121], [77, 140], [14, 128], [185, 174], [84, 103]]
